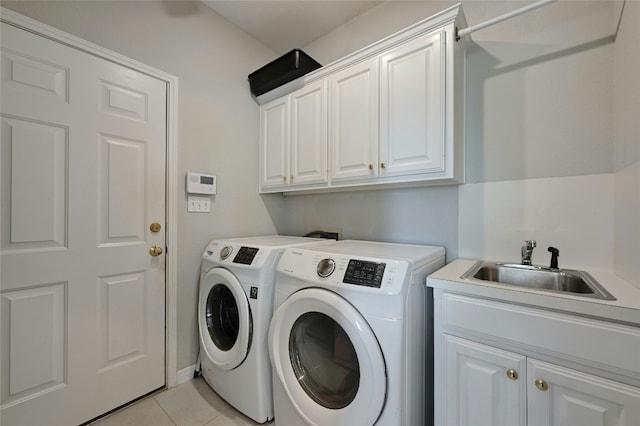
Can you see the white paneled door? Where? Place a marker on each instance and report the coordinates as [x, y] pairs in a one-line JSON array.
[[82, 171]]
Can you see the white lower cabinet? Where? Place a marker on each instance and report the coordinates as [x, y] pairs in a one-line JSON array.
[[561, 396], [484, 386], [498, 363], [487, 386]]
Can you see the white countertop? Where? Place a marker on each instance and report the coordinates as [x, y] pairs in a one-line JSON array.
[[626, 307]]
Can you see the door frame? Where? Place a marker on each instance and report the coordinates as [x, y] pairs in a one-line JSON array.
[[171, 269]]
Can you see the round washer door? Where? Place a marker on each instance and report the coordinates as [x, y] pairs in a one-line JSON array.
[[224, 319], [328, 359]]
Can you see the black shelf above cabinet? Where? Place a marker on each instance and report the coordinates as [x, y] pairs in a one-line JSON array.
[[286, 68]]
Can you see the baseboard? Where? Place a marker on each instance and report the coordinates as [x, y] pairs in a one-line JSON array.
[[186, 374]]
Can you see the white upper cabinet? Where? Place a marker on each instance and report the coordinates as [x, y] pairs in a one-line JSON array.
[[389, 114], [354, 122], [412, 89], [274, 144], [309, 135], [293, 140]]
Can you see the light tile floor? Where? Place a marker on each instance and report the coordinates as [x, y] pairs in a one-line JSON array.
[[192, 403]]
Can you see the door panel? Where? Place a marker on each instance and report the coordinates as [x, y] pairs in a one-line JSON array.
[[354, 122], [478, 390], [309, 134], [274, 143], [34, 331], [35, 158], [122, 190], [121, 319], [83, 177], [412, 107], [575, 398]]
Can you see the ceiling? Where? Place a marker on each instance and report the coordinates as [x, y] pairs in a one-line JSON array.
[[287, 24]]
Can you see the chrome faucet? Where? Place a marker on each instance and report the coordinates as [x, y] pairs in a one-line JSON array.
[[527, 251]]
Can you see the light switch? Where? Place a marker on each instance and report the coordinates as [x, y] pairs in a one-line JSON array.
[[198, 204]]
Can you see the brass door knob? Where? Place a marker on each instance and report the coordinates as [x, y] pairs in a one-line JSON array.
[[512, 374], [155, 227], [542, 385], [155, 251]]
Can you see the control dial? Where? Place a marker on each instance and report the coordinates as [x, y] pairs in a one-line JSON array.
[[326, 267], [225, 252]]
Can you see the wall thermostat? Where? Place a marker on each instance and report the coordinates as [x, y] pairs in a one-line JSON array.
[[199, 183]]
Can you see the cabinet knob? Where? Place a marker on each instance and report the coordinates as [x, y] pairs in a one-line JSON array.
[[542, 385], [370, 166], [284, 178], [383, 165], [291, 177], [512, 374]]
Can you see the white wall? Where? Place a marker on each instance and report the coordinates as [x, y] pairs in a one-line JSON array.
[[627, 143], [416, 215], [538, 106], [540, 135], [540, 125], [218, 120]]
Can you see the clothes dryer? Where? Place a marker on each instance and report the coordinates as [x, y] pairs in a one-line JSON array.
[[348, 335], [234, 310]]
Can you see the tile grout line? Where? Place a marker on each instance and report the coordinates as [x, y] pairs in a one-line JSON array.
[[163, 410]]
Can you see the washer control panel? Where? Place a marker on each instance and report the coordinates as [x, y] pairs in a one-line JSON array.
[[245, 255], [360, 273], [326, 267], [365, 273], [225, 252]]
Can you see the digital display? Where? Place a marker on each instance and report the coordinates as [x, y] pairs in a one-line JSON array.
[[362, 272], [245, 255], [206, 180]]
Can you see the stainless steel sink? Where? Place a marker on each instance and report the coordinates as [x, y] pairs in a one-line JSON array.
[[541, 278]]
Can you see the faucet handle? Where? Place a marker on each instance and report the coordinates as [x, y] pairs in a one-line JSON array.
[[554, 257], [529, 244]]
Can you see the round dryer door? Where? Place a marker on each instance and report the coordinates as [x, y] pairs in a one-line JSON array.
[[224, 319], [328, 359]]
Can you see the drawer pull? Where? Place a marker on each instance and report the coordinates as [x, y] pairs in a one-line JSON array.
[[542, 385]]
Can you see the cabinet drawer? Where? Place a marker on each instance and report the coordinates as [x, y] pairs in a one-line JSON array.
[[601, 344]]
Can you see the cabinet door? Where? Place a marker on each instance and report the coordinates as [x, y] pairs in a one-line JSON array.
[[482, 385], [412, 93], [568, 397], [309, 134], [274, 143], [354, 122]]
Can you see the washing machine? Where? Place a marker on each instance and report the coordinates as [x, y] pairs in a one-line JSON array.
[[348, 335], [235, 305]]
